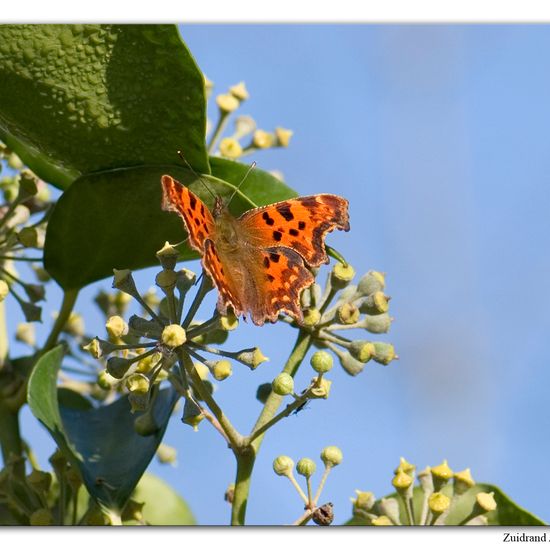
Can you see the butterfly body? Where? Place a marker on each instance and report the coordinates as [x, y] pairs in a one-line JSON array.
[[259, 261]]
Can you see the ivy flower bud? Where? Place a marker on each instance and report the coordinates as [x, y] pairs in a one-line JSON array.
[[438, 503], [282, 136], [106, 381], [173, 336], [118, 366], [363, 502], [262, 139], [15, 162], [311, 317], [28, 184], [227, 103], [283, 384], [462, 481], [377, 324], [25, 333], [375, 303], [426, 480], [28, 237], [441, 475], [389, 507], [192, 415], [244, 125], [93, 348], [167, 454], [486, 501], [320, 389], [342, 275], [263, 392], [230, 148], [145, 327], [384, 353], [362, 350], [348, 313], [229, 322], [35, 293], [371, 282], [381, 521], [222, 370], [239, 91], [283, 466], [405, 466], [402, 481], [145, 364], [137, 383], [167, 256], [124, 281], [166, 280], [252, 357], [41, 517], [306, 467], [116, 327], [4, 290], [321, 362], [331, 456], [185, 280], [31, 311], [41, 274], [229, 494]]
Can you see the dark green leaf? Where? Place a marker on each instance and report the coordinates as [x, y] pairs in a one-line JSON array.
[[113, 219], [163, 506], [81, 98], [100, 442]]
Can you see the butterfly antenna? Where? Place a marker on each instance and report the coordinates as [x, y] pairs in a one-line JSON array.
[[251, 167], [180, 154]]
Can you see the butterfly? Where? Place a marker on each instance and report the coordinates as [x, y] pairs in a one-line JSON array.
[[259, 261]]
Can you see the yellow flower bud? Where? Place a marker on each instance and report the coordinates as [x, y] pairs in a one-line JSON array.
[[363, 502], [331, 456], [239, 91], [166, 279], [167, 256], [438, 503], [137, 383], [244, 125], [173, 336], [405, 466], [262, 139], [252, 357], [167, 454], [202, 370], [311, 317], [342, 275], [362, 350], [463, 481], [229, 322], [25, 333], [486, 501], [384, 353], [227, 103], [348, 313], [283, 384], [306, 467], [116, 327], [230, 148], [442, 472], [402, 481], [283, 465], [283, 136], [372, 281], [222, 370], [321, 362]]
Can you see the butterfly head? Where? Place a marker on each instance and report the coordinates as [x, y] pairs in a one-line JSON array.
[[219, 207]]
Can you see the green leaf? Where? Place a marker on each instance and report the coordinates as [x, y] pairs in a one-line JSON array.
[[101, 442], [506, 513], [163, 506], [77, 99], [113, 219]]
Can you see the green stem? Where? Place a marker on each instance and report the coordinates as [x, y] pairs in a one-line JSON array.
[[245, 461], [222, 121], [321, 485], [69, 299], [235, 438], [4, 345], [206, 286]]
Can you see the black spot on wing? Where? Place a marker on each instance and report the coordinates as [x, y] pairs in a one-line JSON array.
[[274, 257], [268, 219], [192, 201], [293, 232], [284, 210], [301, 225], [277, 235]]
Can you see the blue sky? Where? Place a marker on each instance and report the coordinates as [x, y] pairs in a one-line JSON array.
[[439, 137]]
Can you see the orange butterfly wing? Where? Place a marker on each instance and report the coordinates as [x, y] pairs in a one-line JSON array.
[[300, 224], [261, 283], [196, 216]]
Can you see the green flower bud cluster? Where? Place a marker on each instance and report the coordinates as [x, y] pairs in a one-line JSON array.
[[343, 306], [33, 498], [245, 126], [306, 467], [22, 233], [447, 498]]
